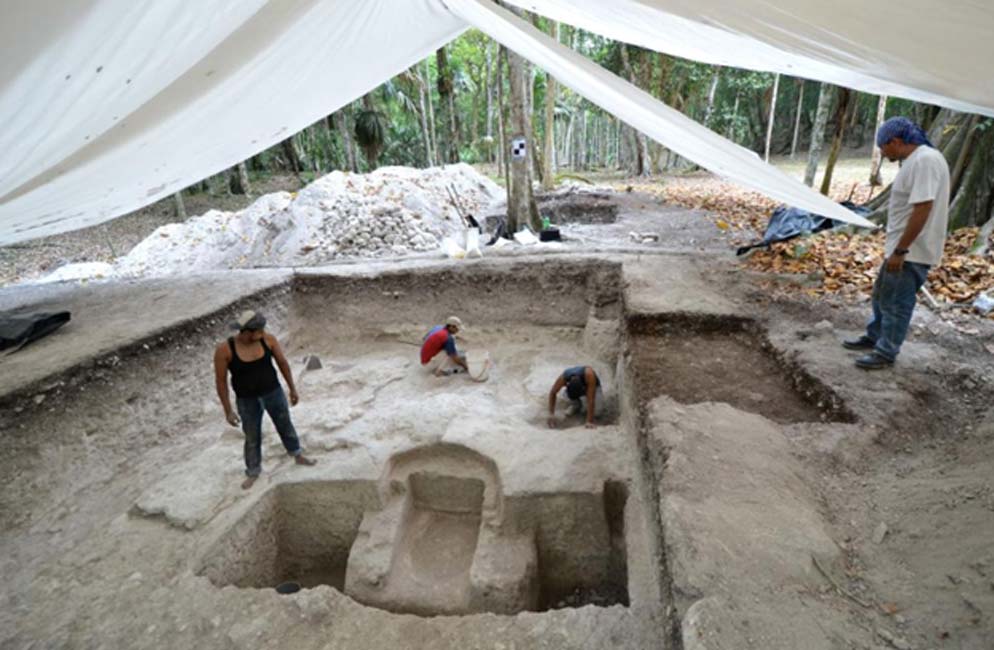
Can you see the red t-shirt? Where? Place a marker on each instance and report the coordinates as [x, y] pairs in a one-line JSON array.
[[437, 340]]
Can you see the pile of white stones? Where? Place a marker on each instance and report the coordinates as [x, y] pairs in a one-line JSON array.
[[392, 211], [370, 229]]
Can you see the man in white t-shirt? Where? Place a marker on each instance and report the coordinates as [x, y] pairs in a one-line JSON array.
[[917, 218]]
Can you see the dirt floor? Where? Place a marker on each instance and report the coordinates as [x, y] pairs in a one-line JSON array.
[[775, 496]]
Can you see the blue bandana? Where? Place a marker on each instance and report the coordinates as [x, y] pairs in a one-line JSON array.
[[901, 127]]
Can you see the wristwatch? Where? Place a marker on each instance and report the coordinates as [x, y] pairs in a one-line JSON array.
[[901, 251]]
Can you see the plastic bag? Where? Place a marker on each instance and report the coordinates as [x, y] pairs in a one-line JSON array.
[[473, 243], [525, 237], [983, 303], [452, 249]]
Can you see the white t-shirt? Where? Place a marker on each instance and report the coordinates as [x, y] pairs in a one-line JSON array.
[[924, 176]]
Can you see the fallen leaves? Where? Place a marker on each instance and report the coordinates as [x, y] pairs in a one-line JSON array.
[[838, 263]]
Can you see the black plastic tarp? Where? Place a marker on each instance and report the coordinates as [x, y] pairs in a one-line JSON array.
[[787, 223], [19, 329]]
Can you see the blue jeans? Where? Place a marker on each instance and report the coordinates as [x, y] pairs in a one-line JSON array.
[[250, 411], [894, 297]]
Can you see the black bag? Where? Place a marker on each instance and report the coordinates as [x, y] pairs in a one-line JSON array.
[[17, 330], [787, 223]]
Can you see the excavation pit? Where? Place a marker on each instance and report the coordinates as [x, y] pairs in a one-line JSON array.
[[438, 530], [569, 549], [296, 533], [582, 209], [695, 359]]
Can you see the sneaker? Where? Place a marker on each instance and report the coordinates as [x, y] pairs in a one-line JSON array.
[[873, 361], [862, 343]]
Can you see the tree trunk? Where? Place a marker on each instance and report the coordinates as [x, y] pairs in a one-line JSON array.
[[735, 116], [847, 102], [423, 114], [534, 152], [641, 144], [431, 114], [568, 141], [504, 168], [981, 243], [877, 158], [973, 203], [179, 207], [290, 153], [372, 153], [712, 89], [825, 94], [773, 113], [964, 154], [345, 133], [602, 154], [549, 157], [239, 183], [520, 201], [797, 118], [446, 93], [583, 148], [617, 143], [490, 103]]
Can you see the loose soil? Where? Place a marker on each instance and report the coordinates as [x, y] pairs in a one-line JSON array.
[[729, 367]]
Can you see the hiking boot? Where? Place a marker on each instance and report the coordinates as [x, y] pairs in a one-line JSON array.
[[873, 361], [862, 343]]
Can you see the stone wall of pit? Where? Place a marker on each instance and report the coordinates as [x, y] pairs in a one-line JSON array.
[[546, 293]]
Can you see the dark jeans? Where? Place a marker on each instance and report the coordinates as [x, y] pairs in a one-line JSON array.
[[894, 297], [250, 411]]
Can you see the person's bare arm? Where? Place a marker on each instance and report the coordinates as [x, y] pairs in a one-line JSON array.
[[556, 387], [284, 367], [458, 359], [591, 378], [916, 222], [222, 357]]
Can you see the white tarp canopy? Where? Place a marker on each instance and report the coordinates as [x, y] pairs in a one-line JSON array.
[[108, 105]]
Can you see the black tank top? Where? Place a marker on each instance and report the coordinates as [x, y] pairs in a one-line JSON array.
[[581, 372], [252, 378]]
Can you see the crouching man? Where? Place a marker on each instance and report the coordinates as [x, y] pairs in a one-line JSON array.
[[438, 339], [581, 383], [248, 357]]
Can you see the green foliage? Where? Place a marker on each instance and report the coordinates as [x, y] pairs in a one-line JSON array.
[[370, 132], [393, 134]]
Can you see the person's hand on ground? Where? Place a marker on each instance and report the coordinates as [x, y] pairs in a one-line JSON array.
[[895, 263], [552, 421], [294, 397], [590, 425], [232, 418]]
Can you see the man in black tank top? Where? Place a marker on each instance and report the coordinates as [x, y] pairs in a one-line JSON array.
[[249, 357]]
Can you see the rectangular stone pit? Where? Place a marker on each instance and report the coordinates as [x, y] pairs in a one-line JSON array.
[[304, 533], [299, 532]]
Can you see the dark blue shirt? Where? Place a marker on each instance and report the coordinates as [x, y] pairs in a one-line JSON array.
[[579, 371]]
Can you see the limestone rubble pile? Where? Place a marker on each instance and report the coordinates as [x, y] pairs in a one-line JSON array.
[[391, 211]]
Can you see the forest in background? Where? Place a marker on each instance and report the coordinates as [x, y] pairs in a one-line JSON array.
[[459, 105]]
